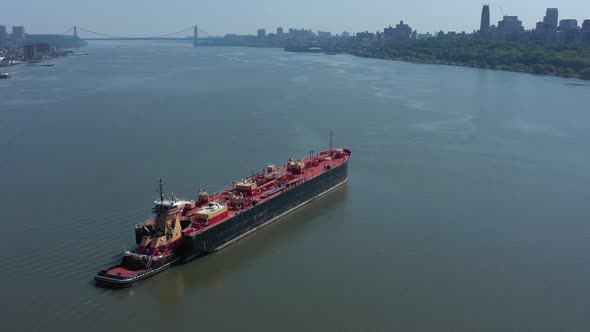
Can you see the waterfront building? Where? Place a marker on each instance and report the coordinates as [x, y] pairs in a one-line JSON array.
[[365, 36], [484, 28], [569, 31], [586, 31], [570, 36], [261, 33], [3, 35], [280, 32], [547, 29], [551, 18], [424, 35], [568, 24], [324, 35], [345, 34], [510, 28], [301, 35], [18, 34], [400, 32], [29, 52], [541, 33], [42, 48]]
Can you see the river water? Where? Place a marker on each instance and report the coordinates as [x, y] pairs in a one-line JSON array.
[[467, 207]]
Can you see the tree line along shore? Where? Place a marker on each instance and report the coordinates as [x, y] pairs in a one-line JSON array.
[[559, 59]]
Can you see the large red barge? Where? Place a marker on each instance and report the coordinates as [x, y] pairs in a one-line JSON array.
[[184, 230]]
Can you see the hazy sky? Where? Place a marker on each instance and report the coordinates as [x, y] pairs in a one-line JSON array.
[[151, 17]]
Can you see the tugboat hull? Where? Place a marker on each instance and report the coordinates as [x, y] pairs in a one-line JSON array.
[[120, 276]]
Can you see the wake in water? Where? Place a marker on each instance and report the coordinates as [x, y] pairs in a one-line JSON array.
[[239, 60], [232, 58]]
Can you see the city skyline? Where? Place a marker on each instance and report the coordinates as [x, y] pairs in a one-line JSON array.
[[245, 18]]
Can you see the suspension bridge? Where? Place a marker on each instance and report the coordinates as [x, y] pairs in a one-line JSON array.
[[87, 34]]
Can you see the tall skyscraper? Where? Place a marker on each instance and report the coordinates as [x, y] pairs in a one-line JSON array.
[[18, 34], [484, 28], [551, 18], [2, 34], [261, 33]]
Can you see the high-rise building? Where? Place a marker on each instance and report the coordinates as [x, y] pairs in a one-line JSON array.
[[261, 33], [345, 34], [29, 52], [401, 31], [18, 34], [509, 25], [42, 48], [280, 31], [3, 35], [586, 31], [484, 28], [569, 24], [551, 18]]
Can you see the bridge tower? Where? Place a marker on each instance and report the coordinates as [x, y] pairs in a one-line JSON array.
[[196, 36], [75, 36]]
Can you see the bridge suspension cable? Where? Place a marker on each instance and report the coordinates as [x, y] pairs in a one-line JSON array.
[[67, 31], [106, 35], [171, 34], [124, 37], [204, 31], [101, 34]]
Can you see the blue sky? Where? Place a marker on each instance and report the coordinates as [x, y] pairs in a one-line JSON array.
[[149, 17]]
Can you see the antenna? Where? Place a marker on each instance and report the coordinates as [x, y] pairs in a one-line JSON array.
[[331, 141], [502, 10], [161, 192]]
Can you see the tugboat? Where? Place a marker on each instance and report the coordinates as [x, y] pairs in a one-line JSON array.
[[158, 244]]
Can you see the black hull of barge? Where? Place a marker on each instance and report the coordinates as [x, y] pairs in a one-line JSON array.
[[263, 214]]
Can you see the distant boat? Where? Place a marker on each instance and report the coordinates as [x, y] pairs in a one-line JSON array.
[[48, 65], [5, 75]]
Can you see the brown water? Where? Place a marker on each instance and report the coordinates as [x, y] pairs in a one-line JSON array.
[[466, 210]]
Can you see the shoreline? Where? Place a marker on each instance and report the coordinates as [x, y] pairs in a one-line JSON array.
[[368, 55], [40, 62]]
